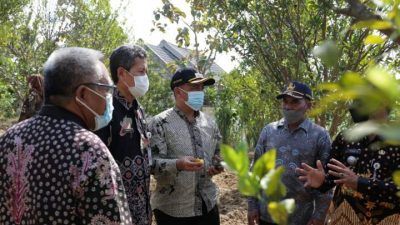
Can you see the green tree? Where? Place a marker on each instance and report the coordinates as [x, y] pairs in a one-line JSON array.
[[43, 26], [278, 38]]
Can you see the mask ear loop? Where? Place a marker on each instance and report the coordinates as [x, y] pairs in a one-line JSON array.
[[84, 104]]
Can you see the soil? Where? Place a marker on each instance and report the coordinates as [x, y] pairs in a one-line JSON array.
[[232, 205]]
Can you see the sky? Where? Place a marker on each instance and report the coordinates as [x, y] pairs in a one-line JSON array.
[[139, 17]]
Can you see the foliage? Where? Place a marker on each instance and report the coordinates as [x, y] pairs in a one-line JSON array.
[[264, 181], [243, 108], [159, 96], [277, 39], [378, 88], [202, 59], [43, 26]]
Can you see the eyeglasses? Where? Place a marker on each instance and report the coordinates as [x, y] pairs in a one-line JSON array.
[[110, 88]]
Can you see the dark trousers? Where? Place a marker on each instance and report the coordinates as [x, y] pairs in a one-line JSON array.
[[208, 218]]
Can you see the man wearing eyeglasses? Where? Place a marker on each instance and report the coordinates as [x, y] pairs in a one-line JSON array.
[[126, 135], [53, 169]]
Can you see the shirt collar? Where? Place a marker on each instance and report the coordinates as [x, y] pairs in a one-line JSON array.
[[61, 113], [305, 125], [183, 116], [121, 99]]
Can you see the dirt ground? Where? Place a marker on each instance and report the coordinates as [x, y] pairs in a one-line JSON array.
[[232, 206]]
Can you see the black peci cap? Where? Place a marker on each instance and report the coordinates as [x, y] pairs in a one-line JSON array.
[[190, 76]]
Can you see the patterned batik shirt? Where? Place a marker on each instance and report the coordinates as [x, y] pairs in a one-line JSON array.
[[54, 171], [180, 193], [306, 144], [375, 200], [126, 137]]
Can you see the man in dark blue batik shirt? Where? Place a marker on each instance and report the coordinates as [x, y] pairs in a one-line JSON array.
[[297, 140]]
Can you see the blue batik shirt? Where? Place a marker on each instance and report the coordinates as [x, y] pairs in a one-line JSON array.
[[306, 144]]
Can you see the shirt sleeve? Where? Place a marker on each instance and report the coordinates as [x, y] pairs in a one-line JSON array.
[[335, 153], [253, 204], [98, 188], [322, 200], [162, 165]]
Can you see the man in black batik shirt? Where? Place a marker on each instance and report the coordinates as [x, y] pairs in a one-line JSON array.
[[362, 173], [126, 135]]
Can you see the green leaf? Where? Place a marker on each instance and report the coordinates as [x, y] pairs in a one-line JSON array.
[[373, 24], [272, 184], [374, 40], [360, 130], [328, 52], [279, 211], [387, 83], [396, 177], [238, 161], [351, 79], [265, 163], [249, 185]]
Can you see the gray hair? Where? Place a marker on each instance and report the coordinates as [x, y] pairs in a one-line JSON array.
[[124, 56], [67, 68]]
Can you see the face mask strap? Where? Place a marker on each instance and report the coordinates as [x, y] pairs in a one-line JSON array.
[[86, 106]]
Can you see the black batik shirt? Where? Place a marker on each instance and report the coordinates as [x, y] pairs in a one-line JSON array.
[[126, 136], [54, 171], [375, 200]]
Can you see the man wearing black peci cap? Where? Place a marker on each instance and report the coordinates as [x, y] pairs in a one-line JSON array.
[[296, 140], [185, 146]]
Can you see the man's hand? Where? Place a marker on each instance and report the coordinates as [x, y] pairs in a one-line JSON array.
[[216, 167], [312, 177], [189, 163], [346, 176], [253, 217], [214, 171]]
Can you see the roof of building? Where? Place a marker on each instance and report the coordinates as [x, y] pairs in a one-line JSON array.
[[169, 53]]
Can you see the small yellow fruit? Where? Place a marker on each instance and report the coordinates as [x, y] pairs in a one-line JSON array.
[[199, 160]]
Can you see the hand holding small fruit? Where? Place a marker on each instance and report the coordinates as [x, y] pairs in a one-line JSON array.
[[189, 163]]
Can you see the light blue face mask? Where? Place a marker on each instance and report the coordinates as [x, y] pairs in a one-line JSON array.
[[195, 99], [101, 120]]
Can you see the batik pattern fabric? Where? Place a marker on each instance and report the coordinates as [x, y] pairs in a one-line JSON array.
[[306, 144], [54, 171], [127, 138], [375, 200], [180, 193]]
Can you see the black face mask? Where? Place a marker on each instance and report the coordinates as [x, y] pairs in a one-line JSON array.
[[358, 116]]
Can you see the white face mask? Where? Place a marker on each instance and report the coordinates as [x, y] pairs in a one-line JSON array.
[[141, 85]]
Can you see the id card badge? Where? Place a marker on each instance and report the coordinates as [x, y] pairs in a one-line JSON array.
[[149, 156]]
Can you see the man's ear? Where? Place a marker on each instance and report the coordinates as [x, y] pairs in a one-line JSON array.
[[309, 104], [80, 92], [120, 72]]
